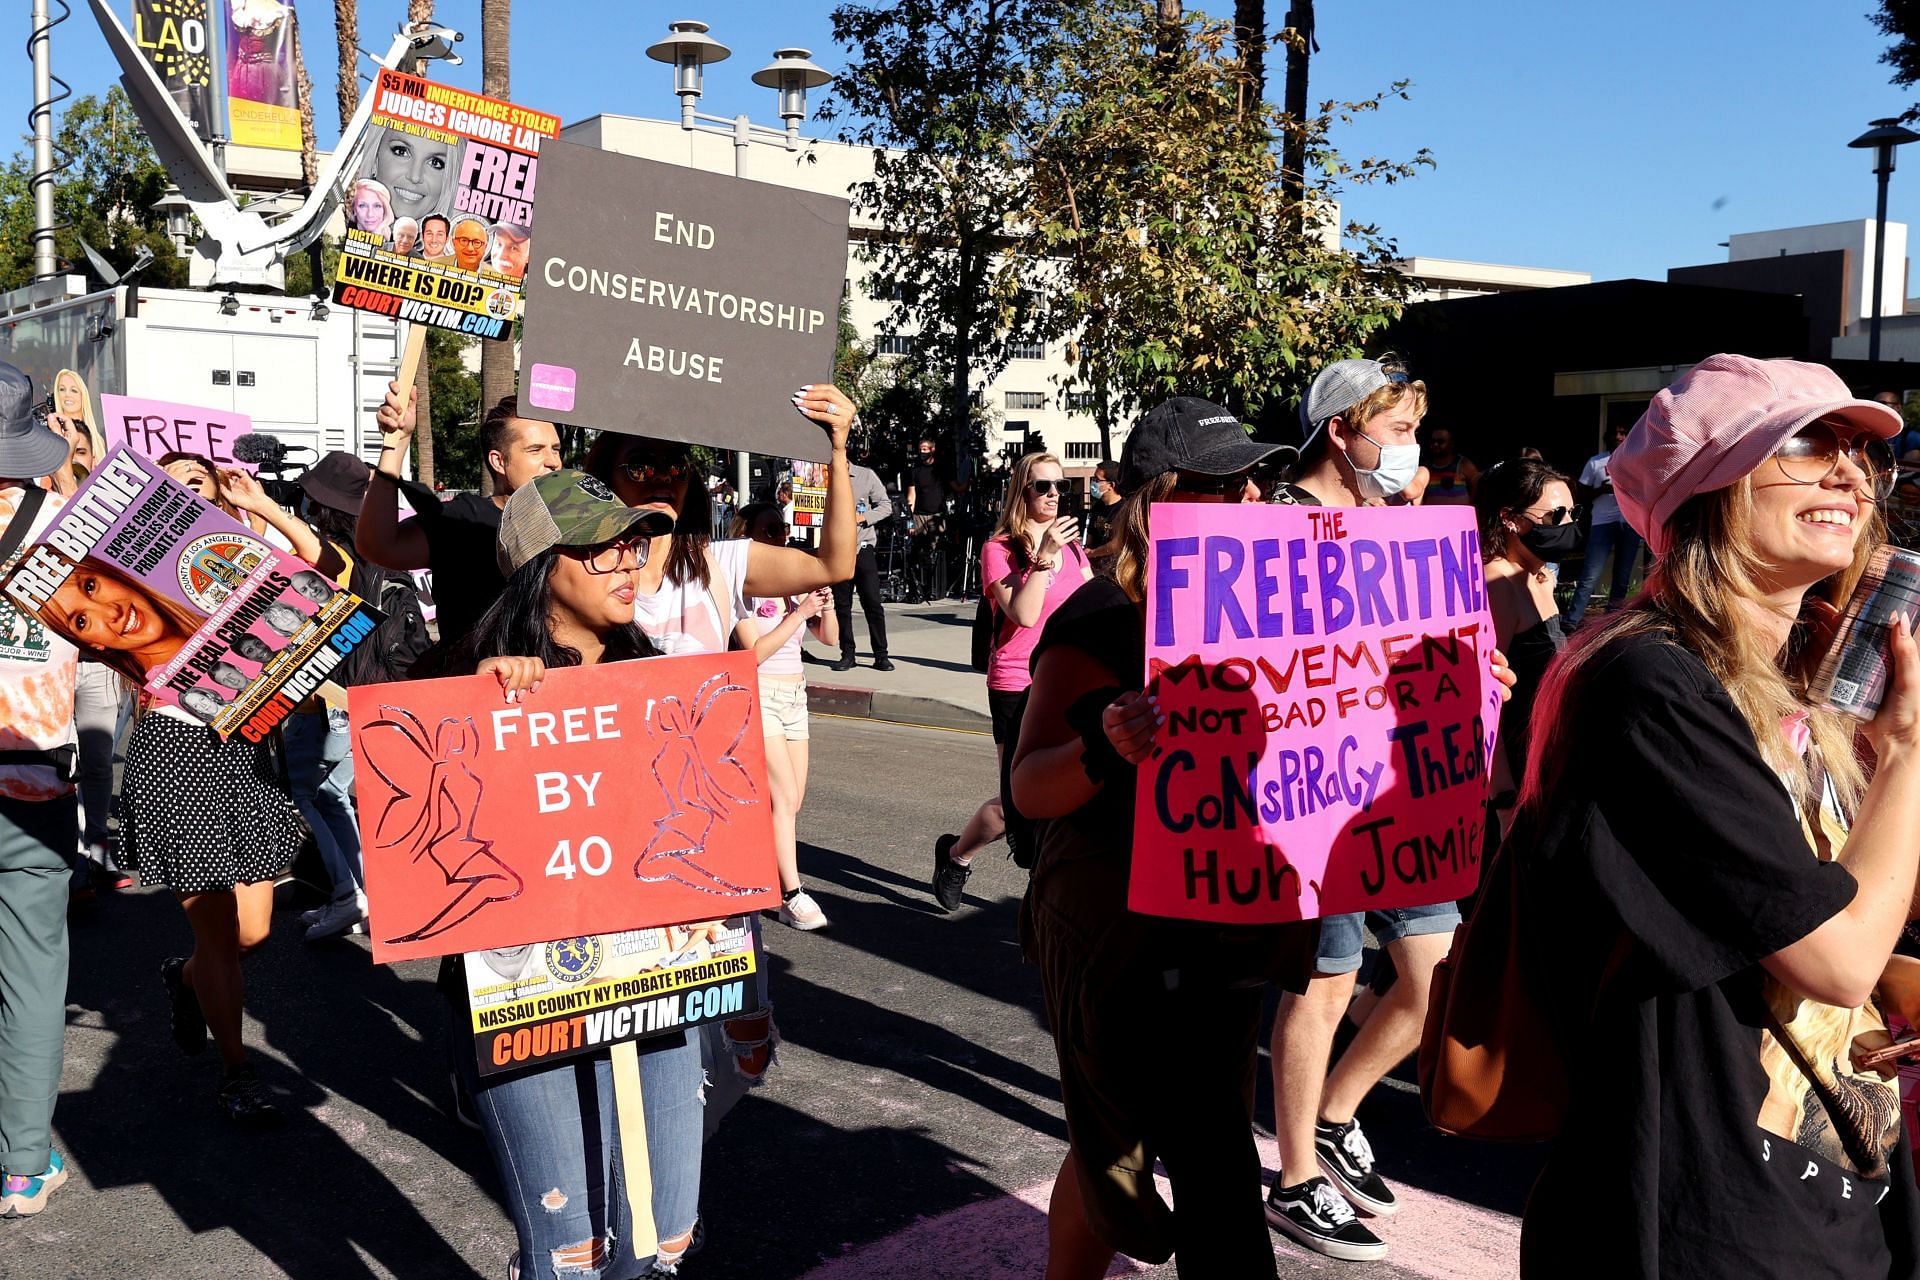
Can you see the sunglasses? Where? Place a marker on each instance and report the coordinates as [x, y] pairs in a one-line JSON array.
[[1231, 487], [1555, 516], [1814, 454], [608, 557], [643, 469], [1041, 488]]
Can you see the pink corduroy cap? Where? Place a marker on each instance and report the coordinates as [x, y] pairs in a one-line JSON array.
[[1721, 420]]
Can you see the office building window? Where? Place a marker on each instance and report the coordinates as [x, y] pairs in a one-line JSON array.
[[1026, 351], [1026, 399], [1083, 451], [1079, 402], [896, 344]]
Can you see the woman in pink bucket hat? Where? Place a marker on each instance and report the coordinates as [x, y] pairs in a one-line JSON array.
[[1717, 870]]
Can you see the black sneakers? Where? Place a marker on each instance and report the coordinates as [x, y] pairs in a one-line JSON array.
[[844, 664], [1313, 1214], [949, 877], [189, 1024], [1348, 1159], [246, 1100]]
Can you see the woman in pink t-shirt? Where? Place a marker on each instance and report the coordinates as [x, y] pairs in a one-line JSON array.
[[1033, 562]]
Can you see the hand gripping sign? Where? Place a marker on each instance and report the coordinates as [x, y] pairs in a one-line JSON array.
[[618, 797], [1330, 712]]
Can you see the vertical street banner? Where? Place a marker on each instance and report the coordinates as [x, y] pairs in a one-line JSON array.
[[666, 301], [1330, 712], [541, 1002], [626, 796], [440, 215], [189, 604], [176, 36], [155, 428], [263, 96]]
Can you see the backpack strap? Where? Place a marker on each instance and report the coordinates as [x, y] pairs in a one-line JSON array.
[[31, 500]]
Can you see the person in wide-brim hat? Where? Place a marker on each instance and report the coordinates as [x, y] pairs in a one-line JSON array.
[[29, 448]]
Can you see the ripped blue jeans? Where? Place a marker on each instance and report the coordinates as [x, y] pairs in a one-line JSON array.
[[555, 1141]]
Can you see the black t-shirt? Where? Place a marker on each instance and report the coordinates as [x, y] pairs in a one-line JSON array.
[[1669, 862], [461, 536], [929, 489]]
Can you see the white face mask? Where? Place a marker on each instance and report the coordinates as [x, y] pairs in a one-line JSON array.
[[1399, 464]]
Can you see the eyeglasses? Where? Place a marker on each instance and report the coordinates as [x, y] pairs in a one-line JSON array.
[[1041, 488], [1555, 516], [1232, 487], [607, 558], [640, 470], [471, 241], [1814, 454]]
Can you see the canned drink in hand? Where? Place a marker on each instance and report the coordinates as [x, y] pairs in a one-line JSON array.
[[1853, 677]]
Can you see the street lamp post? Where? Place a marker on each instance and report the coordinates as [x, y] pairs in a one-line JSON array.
[[688, 49], [1883, 138]]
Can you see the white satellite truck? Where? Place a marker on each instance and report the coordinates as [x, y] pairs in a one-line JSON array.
[[314, 376]]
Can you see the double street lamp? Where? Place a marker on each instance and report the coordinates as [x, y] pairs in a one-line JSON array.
[[688, 49], [1883, 137]]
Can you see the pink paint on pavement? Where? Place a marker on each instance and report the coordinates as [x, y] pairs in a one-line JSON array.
[[1006, 1237]]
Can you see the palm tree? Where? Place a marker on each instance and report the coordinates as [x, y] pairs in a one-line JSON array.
[[346, 39], [309, 158], [420, 13], [497, 375]]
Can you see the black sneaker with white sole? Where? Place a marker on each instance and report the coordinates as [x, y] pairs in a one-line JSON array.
[[1319, 1218], [1348, 1159]]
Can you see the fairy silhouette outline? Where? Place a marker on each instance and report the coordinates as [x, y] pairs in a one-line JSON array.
[[437, 816], [700, 777]]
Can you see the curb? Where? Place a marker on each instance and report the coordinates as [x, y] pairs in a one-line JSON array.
[[894, 708]]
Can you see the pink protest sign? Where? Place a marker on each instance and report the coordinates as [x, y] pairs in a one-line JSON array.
[[155, 428], [1330, 712]]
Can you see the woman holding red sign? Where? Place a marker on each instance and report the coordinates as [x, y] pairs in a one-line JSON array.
[[580, 1201]]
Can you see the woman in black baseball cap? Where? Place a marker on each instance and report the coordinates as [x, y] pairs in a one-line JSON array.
[[1152, 1066]]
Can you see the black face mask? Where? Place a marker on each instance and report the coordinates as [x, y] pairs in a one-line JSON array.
[[1552, 542]]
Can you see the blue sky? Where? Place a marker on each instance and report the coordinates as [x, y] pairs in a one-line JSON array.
[[1619, 138]]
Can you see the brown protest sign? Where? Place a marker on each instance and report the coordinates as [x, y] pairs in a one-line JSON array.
[[670, 302]]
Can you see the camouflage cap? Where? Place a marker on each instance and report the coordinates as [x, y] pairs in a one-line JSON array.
[[568, 508]]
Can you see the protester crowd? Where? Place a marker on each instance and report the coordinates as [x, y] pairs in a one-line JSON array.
[[1716, 869]]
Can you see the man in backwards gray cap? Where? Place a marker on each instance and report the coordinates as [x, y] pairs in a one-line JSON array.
[[39, 821]]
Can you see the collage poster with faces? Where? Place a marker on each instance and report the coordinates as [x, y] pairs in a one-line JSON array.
[[440, 211], [190, 605]]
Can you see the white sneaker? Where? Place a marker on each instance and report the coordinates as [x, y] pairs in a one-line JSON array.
[[346, 916], [802, 912]]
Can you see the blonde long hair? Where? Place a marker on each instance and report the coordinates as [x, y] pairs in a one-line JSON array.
[[86, 414], [1694, 596], [1015, 523]]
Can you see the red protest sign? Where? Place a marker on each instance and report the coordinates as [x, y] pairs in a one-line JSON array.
[[1331, 711], [618, 797]]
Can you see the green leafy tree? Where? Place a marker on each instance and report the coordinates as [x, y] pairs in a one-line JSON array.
[[945, 93], [105, 194], [456, 411], [1185, 264], [1900, 19]]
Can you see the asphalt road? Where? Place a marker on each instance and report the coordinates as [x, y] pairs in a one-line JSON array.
[[911, 1128]]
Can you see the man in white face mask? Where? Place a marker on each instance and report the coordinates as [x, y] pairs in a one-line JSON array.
[[1361, 420], [1361, 416]]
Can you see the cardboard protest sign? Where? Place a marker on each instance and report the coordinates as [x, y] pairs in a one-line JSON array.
[[670, 302], [545, 1001], [809, 494], [155, 428], [624, 796], [186, 602], [1330, 712], [440, 217]]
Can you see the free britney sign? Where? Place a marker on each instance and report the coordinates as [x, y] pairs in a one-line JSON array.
[[1330, 708]]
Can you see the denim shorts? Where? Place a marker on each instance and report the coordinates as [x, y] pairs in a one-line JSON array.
[[1342, 938]]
